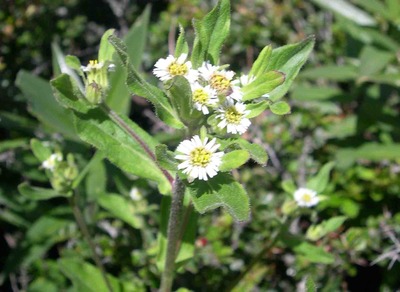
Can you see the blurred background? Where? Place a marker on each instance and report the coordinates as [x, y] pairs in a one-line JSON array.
[[345, 108]]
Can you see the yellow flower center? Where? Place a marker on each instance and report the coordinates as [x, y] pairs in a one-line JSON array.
[[200, 96], [233, 116], [177, 69], [220, 83], [93, 63], [307, 198], [200, 157]]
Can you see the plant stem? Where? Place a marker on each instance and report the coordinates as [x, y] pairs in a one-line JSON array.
[[85, 231], [173, 235], [116, 118]]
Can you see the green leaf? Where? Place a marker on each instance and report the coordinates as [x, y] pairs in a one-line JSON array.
[[68, 94], [42, 284], [43, 105], [314, 254], [61, 65], [372, 60], [263, 84], [261, 63], [96, 179], [306, 93], [280, 108], [234, 159], [86, 277], [319, 182], [140, 87], [181, 96], [39, 150], [211, 33], [182, 46], [289, 60], [256, 109], [165, 158], [257, 152], [13, 144], [136, 38], [345, 157], [120, 208], [97, 129], [347, 10], [220, 191], [73, 62], [106, 50], [316, 232], [368, 35], [38, 194], [48, 227], [93, 161], [189, 218], [119, 97]]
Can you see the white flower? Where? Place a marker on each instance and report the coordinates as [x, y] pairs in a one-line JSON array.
[[200, 159], [220, 80], [135, 194], [306, 197], [51, 162], [233, 117], [166, 69], [203, 97], [93, 65]]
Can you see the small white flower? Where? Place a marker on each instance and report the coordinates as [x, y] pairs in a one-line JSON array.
[[51, 162], [233, 117], [200, 159], [220, 80], [306, 197], [203, 97], [93, 65], [166, 69], [135, 194]]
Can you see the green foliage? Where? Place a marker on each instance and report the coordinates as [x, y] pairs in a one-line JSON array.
[[343, 110], [121, 208], [211, 33], [221, 191], [36, 193], [264, 84]]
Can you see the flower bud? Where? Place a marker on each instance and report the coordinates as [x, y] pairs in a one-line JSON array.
[[96, 83]]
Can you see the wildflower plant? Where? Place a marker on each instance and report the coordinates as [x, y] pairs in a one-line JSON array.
[[208, 104]]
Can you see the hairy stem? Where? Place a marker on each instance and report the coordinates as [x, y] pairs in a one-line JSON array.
[[173, 235], [85, 232], [114, 116]]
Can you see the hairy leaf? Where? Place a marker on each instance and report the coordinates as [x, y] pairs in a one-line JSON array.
[[220, 191]]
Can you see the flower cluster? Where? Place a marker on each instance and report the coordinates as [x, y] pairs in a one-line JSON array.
[[214, 90]]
